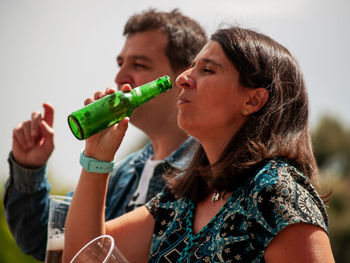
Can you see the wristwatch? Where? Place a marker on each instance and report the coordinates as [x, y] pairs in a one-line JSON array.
[[94, 166]]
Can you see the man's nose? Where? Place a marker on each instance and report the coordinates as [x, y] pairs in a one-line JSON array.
[[123, 77]]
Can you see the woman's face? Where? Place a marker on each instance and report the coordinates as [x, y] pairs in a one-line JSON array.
[[211, 98]]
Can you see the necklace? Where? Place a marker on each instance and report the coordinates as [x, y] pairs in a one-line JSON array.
[[216, 197]]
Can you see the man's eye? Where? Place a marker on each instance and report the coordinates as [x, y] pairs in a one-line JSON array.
[[207, 70], [137, 65]]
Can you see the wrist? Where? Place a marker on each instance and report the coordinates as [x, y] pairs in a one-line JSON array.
[[34, 165], [27, 180], [93, 165], [98, 155]]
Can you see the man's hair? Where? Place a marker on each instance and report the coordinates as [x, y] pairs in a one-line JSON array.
[[185, 36]]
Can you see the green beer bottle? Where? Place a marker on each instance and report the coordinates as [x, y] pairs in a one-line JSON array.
[[110, 109]]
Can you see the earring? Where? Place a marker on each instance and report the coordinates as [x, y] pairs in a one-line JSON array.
[[245, 112]]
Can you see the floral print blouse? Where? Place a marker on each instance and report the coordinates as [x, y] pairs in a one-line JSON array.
[[277, 196]]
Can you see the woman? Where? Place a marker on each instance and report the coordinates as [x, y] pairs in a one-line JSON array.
[[249, 194]]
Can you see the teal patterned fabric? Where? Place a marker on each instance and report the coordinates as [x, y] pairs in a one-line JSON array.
[[277, 196]]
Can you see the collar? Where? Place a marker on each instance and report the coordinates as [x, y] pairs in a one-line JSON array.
[[178, 159], [181, 157]]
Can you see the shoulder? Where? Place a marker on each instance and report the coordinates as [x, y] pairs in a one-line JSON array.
[[272, 171], [279, 174], [283, 195], [166, 203], [163, 199]]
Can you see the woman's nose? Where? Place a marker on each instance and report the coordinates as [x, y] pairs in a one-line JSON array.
[[184, 80]]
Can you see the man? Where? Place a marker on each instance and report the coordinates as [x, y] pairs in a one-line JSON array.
[[157, 44]]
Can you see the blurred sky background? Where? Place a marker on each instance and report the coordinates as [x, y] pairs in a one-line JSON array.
[[62, 51]]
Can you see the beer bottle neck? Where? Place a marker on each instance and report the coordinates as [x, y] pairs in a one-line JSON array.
[[144, 93]]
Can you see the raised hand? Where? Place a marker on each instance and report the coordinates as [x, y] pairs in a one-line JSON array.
[[33, 140], [103, 145]]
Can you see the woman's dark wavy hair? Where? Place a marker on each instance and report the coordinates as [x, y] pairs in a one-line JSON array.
[[186, 36], [278, 129]]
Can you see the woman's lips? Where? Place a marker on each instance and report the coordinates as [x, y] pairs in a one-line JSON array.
[[182, 100]]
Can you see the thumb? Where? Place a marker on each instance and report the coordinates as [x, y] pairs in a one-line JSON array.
[[123, 125], [48, 114], [119, 130]]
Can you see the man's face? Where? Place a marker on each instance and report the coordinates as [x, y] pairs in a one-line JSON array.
[[142, 60]]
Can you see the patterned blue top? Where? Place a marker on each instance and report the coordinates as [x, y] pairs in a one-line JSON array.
[[277, 196]]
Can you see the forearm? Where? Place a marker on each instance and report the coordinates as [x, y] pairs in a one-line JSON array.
[[86, 216], [26, 203], [27, 217]]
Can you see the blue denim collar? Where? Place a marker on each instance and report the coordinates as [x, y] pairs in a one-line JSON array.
[[178, 159]]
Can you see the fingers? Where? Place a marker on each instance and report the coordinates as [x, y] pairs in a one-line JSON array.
[[120, 130], [99, 94], [27, 133], [47, 132], [117, 134], [49, 112], [35, 121], [110, 90], [19, 137], [126, 88], [123, 125], [88, 101], [22, 135]]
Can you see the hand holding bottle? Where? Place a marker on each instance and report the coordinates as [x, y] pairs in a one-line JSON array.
[[103, 145], [103, 113], [99, 116], [33, 140]]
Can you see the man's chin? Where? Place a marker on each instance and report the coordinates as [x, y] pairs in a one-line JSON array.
[[136, 121]]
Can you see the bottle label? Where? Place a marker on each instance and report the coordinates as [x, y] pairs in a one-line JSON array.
[[138, 91]]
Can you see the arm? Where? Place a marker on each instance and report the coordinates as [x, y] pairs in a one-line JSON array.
[[300, 243], [26, 192], [86, 220], [26, 206], [133, 234], [296, 217]]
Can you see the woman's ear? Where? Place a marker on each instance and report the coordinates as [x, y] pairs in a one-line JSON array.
[[257, 99]]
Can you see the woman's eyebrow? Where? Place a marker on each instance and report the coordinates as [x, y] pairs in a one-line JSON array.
[[206, 61], [211, 61]]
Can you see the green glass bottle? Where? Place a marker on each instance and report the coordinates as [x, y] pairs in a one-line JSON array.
[[110, 109]]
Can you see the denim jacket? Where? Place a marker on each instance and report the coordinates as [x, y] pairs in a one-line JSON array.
[[26, 199]]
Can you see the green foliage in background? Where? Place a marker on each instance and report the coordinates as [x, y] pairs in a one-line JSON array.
[[339, 220], [331, 141]]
